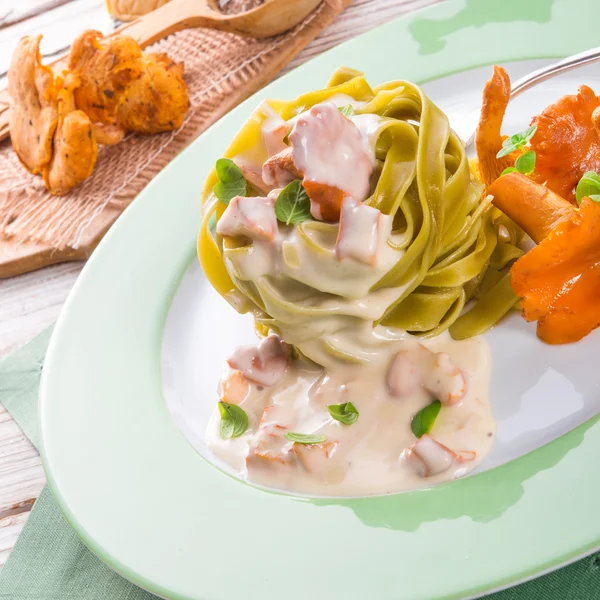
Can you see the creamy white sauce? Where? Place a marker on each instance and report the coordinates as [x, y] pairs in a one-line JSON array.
[[329, 149], [338, 100], [371, 456], [273, 130], [365, 223], [252, 173], [253, 219], [369, 126]]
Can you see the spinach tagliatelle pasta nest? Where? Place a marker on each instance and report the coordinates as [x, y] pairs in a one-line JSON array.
[[449, 245]]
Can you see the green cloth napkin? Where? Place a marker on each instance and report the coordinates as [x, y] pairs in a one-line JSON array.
[[49, 561]]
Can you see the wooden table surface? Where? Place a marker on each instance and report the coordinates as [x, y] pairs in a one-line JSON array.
[[31, 302]]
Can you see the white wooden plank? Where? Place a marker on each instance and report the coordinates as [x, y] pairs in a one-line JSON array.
[[21, 480], [10, 528], [31, 302], [21, 470], [15, 12], [59, 27]]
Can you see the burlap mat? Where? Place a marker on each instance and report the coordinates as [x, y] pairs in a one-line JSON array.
[[221, 70]]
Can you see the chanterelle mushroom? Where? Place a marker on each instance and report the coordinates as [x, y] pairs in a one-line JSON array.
[[124, 90], [48, 134], [488, 138], [110, 88], [566, 144], [157, 100], [34, 115], [74, 147], [559, 279], [328, 152], [105, 70]]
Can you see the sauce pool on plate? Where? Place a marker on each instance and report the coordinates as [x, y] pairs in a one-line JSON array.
[[376, 454]]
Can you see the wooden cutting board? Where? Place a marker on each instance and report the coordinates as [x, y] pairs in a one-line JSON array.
[[221, 70]]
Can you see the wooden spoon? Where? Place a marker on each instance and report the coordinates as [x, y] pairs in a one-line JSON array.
[[268, 19]]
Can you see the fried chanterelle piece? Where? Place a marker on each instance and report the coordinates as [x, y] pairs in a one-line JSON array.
[[559, 279], [488, 138], [105, 71], [34, 115], [75, 148], [109, 89], [124, 90], [566, 143], [157, 101], [535, 208], [48, 134]]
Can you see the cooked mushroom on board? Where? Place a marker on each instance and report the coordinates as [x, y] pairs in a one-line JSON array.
[[108, 90]]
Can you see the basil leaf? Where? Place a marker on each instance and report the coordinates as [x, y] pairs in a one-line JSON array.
[[227, 191], [305, 438], [228, 171], [345, 413], [234, 421], [506, 150], [423, 421], [526, 163], [508, 170], [292, 205], [517, 141], [231, 181], [347, 111], [588, 186], [595, 197]]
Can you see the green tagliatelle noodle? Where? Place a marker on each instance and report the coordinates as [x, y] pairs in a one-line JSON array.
[[452, 245]]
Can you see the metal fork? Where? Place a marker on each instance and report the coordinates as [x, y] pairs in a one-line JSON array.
[[535, 77]]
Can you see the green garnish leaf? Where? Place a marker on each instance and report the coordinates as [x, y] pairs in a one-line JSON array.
[[347, 111], [226, 192], [305, 438], [526, 163], [517, 141], [345, 413], [231, 181], [234, 421], [529, 133], [509, 170], [228, 171], [292, 205], [423, 421], [506, 150], [588, 187]]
